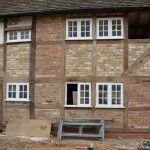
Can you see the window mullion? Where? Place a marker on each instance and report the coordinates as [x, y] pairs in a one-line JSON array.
[[79, 28], [17, 91], [109, 94], [78, 101], [110, 28]]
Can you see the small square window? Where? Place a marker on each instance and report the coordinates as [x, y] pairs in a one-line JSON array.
[[109, 28], [17, 91], [109, 94], [79, 28], [78, 94]]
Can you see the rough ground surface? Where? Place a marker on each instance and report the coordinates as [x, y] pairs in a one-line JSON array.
[[18, 143]]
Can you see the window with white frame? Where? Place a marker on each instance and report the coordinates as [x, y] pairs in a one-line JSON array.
[[19, 36], [17, 91], [79, 28], [109, 28], [78, 94], [109, 95]]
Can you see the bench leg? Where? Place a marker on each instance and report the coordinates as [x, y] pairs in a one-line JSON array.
[[59, 134], [101, 131]]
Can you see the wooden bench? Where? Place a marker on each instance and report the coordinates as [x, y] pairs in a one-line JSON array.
[[81, 123]]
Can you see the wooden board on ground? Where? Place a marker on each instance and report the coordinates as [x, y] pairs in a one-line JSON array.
[[29, 128]]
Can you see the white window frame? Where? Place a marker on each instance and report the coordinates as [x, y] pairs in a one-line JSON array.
[[78, 95], [18, 36], [78, 29], [17, 92], [109, 105], [110, 36]]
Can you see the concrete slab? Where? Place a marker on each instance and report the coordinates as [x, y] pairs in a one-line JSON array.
[[29, 128]]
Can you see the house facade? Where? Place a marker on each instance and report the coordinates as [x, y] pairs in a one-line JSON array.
[[77, 60]]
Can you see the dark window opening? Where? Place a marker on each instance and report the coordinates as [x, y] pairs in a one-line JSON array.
[[72, 94], [139, 26]]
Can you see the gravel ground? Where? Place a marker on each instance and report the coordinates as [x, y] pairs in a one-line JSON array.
[[19, 143]]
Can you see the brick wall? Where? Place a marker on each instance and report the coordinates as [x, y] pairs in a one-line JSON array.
[[109, 60], [48, 28], [16, 110], [78, 60], [48, 94], [18, 60], [48, 61]]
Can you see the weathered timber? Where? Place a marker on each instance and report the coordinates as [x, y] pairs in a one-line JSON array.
[[139, 62], [81, 123], [32, 69]]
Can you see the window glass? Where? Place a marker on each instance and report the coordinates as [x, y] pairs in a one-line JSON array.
[[17, 91], [109, 94], [79, 28]]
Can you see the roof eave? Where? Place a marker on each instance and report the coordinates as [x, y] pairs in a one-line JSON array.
[[107, 9]]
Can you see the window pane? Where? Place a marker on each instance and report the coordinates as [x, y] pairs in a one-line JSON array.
[[86, 87], [25, 87], [105, 33], [74, 34], [82, 87], [87, 34], [86, 94], [81, 100], [69, 23], [100, 100], [20, 94], [114, 33], [105, 101], [14, 94], [14, 87], [113, 22], [81, 94], [21, 88], [82, 34], [10, 95], [10, 87], [86, 100], [105, 22], [118, 33], [25, 94]]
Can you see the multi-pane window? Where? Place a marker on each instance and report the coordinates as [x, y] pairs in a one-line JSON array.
[[16, 36], [109, 94], [13, 35], [17, 91], [78, 94], [24, 35], [109, 28], [79, 28]]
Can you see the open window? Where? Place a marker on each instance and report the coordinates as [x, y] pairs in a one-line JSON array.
[[78, 94], [139, 24]]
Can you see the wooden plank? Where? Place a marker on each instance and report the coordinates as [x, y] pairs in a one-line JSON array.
[[83, 124], [126, 42], [32, 68], [138, 63], [81, 135]]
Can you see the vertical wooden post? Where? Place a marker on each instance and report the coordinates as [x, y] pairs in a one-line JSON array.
[[125, 42], [63, 56], [4, 71], [125, 112], [93, 97], [32, 68]]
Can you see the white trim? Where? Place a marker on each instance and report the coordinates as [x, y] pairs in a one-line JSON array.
[[78, 94], [109, 28], [17, 92], [109, 86], [18, 36], [79, 29]]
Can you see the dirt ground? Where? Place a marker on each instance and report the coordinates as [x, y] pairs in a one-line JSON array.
[[19, 143]]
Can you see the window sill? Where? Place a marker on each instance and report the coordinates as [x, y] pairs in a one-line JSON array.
[[78, 106], [110, 107], [115, 38], [17, 41], [10, 100], [77, 39]]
